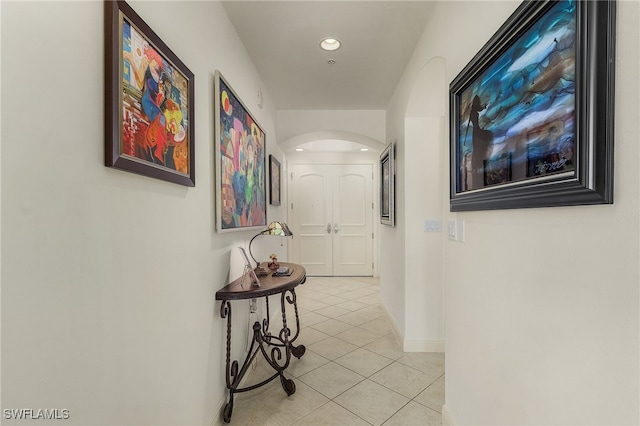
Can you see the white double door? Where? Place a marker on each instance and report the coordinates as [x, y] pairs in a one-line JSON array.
[[331, 216]]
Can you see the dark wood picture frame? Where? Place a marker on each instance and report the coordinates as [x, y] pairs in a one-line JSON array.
[[149, 101], [497, 104], [275, 181]]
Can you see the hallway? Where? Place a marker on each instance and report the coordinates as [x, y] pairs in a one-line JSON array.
[[353, 372]]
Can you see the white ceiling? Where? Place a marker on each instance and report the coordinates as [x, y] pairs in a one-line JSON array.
[[283, 37]]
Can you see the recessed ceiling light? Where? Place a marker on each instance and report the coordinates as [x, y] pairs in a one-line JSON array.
[[364, 149], [330, 44], [299, 149]]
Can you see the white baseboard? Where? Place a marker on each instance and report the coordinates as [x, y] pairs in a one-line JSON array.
[[447, 417], [413, 345], [396, 331], [217, 417], [424, 345]]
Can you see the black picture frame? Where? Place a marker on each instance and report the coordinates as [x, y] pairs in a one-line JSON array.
[[275, 181], [149, 101], [577, 68], [387, 170]]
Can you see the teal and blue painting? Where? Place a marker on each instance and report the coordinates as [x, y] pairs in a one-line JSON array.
[[517, 119]]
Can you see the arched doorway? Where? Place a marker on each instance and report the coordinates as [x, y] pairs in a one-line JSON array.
[[332, 207]]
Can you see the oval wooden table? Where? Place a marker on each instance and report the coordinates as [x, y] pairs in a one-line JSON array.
[[276, 348]]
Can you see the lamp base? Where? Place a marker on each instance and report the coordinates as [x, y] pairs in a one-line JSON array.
[[261, 272]]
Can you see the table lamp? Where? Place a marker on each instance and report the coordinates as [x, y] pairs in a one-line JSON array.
[[279, 229]]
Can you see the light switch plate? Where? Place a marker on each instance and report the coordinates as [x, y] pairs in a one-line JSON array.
[[452, 229], [460, 230], [432, 225]]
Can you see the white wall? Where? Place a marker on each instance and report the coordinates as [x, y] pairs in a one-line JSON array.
[[541, 312], [424, 290], [425, 157], [108, 278], [369, 123]]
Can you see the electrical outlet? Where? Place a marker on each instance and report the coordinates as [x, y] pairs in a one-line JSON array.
[[253, 306]]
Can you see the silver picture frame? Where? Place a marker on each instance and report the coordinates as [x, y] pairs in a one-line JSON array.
[[387, 169]]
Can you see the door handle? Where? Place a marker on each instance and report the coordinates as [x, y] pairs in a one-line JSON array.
[[335, 228], [328, 228]]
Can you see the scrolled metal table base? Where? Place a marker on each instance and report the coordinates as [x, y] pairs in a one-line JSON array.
[[276, 349]]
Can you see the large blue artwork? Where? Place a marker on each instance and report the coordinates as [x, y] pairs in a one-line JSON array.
[[532, 114], [517, 118]]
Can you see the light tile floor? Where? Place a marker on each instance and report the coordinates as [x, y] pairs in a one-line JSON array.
[[353, 372]]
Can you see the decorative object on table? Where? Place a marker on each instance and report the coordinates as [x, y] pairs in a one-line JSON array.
[[248, 270], [532, 113], [240, 163], [275, 173], [149, 101], [274, 265], [283, 271], [275, 228], [387, 186]]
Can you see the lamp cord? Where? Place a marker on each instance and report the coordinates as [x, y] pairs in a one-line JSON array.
[[254, 363]]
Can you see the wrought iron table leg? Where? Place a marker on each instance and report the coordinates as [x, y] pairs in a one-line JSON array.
[[299, 350], [263, 339], [231, 369], [288, 385], [228, 410]]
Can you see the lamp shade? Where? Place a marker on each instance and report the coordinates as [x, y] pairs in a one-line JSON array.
[[279, 229]]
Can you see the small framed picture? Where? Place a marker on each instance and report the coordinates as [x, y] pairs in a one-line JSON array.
[[275, 173], [387, 186]]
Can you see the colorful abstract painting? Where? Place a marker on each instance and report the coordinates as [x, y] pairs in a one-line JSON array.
[[522, 107], [149, 101], [241, 155], [156, 118]]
